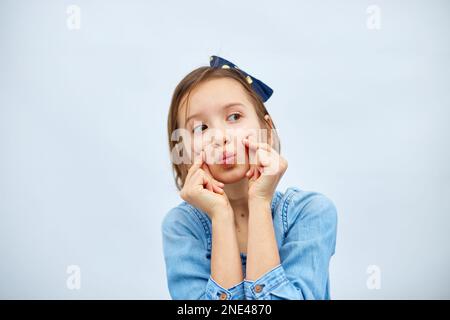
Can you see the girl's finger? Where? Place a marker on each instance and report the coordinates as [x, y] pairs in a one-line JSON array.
[[205, 167], [208, 185], [198, 160], [249, 172], [257, 145], [201, 177], [264, 157], [254, 175], [195, 179], [211, 185], [218, 183], [251, 152], [205, 181], [217, 189], [255, 172]]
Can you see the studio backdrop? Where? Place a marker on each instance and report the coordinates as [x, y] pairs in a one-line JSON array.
[[361, 99]]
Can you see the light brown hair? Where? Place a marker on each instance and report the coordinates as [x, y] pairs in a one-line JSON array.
[[181, 95]]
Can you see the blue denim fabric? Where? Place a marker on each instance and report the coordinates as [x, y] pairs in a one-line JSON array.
[[305, 226]]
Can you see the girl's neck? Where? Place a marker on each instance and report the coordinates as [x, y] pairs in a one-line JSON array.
[[237, 194]]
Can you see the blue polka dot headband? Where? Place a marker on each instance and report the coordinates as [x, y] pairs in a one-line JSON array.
[[263, 90]]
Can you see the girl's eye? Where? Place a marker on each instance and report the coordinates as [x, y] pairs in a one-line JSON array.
[[234, 117], [199, 128]]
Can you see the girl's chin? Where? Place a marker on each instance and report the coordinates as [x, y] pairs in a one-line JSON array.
[[229, 174]]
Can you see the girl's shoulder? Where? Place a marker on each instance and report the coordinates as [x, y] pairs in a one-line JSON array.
[[297, 205], [185, 219], [298, 199]]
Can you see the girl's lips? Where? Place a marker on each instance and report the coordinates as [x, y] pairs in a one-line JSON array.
[[227, 158]]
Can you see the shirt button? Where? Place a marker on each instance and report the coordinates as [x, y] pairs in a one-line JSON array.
[[258, 288], [223, 296]]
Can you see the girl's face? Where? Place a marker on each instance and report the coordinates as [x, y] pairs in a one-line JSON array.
[[219, 117]]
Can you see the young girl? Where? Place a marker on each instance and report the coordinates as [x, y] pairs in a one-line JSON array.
[[235, 236]]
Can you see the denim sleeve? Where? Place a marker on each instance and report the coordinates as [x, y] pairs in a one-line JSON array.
[[187, 264], [309, 244]]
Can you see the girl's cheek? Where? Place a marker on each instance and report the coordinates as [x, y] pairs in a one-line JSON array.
[[201, 143], [240, 148], [197, 143], [195, 149], [250, 134]]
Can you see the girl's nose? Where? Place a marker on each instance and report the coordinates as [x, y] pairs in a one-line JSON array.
[[220, 138]]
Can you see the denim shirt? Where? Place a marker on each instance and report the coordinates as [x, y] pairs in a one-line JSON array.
[[305, 225]]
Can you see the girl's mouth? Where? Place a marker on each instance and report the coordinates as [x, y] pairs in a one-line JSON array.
[[227, 158]]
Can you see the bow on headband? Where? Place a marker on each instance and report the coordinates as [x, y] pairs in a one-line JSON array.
[[263, 90]]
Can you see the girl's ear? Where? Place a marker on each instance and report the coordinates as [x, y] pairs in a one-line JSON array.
[[269, 122]]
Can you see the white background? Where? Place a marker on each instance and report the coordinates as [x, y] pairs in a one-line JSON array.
[[85, 176]]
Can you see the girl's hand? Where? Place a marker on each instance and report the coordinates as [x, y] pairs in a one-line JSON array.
[[202, 190], [266, 170]]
